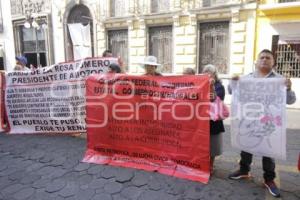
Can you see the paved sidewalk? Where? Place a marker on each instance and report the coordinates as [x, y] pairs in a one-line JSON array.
[[37, 167]]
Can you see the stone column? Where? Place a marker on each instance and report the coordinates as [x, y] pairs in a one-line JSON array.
[[185, 42], [137, 44]]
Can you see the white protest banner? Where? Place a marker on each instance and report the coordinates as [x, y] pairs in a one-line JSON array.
[[81, 40], [51, 99], [258, 111]]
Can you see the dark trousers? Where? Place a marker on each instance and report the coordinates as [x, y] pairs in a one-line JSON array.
[[267, 163]]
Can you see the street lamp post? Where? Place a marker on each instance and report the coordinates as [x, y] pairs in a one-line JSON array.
[[37, 48]]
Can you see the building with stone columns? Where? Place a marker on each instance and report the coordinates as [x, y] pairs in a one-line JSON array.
[[277, 29], [180, 33]]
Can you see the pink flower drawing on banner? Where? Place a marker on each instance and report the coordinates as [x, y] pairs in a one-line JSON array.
[[267, 118]]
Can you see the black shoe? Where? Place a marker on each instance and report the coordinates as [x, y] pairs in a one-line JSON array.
[[273, 189], [239, 175]]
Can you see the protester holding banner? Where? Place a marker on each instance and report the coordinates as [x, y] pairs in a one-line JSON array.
[[264, 69], [150, 65], [216, 126], [21, 62]]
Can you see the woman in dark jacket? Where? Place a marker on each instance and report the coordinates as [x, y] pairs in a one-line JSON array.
[[216, 127]]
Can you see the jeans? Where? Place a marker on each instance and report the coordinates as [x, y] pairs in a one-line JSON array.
[[267, 163]]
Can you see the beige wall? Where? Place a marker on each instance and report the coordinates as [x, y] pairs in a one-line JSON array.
[[184, 17], [278, 19], [185, 33]]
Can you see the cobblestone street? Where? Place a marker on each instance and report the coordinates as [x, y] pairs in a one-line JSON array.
[[154, 83], [40, 167]]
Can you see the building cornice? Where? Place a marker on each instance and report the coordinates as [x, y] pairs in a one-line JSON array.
[[279, 8]]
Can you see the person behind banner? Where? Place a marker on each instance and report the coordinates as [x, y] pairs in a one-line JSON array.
[[21, 62], [108, 53], [150, 64], [216, 126], [264, 69], [114, 68], [189, 71], [32, 67]]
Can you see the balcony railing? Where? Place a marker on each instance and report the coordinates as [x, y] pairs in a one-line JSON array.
[[286, 1], [122, 8], [277, 2], [34, 6]]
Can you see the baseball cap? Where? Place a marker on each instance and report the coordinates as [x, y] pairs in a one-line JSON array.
[[22, 59]]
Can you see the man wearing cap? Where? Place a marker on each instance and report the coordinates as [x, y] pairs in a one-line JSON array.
[[150, 65], [21, 62]]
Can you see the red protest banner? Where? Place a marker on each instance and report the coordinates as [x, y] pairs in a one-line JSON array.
[[299, 163], [151, 123], [2, 107]]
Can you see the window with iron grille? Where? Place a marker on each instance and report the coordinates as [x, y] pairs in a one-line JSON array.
[[160, 46], [160, 6], [29, 40], [33, 43], [287, 57], [117, 8], [214, 45], [118, 44]]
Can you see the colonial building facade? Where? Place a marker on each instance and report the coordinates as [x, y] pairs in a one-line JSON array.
[[278, 23], [180, 33]]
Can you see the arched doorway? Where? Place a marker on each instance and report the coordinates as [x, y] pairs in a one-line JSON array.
[[79, 30]]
